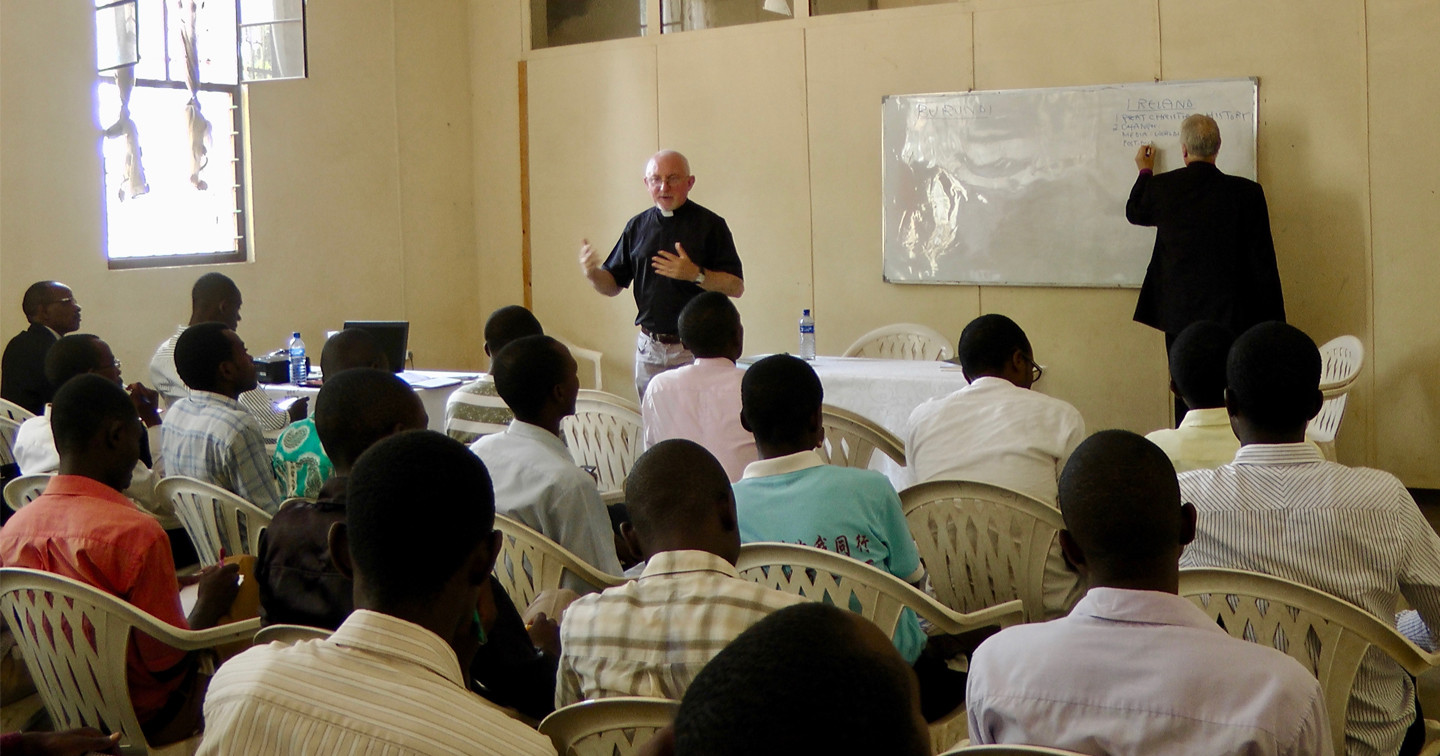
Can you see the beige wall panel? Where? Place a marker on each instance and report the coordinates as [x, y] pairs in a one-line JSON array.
[[495, 48], [1310, 58], [850, 65], [1066, 44], [1404, 65], [592, 127], [733, 100]]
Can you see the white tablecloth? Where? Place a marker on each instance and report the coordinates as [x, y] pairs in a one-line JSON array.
[[432, 398]]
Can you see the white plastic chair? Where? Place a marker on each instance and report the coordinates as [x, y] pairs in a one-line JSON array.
[[591, 356], [1326, 634], [605, 433], [25, 489], [289, 634], [217, 520], [1008, 750], [851, 439], [607, 726], [8, 429], [530, 563], [982, 544], [83, 685], [1340, 361], [902, 341], [13, 411]]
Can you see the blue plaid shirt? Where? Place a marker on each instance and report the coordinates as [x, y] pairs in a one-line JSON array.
[[212, 438]]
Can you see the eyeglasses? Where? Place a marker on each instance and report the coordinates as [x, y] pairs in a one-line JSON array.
[[1035, 369], [671, 180], [65, 301]]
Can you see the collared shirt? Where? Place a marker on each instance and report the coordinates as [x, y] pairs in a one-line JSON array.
[[83, 529], [212, 438], [1142, 672], [658, 299], [650, 637], [167, 381], [1352, 532], [1204, 440], [379, 686], [538, 483], [476, 409], [995, 432], [701, 402], [798, 498], [300, 462]]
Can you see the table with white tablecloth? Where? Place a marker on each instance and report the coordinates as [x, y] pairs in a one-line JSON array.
[[433, 386]]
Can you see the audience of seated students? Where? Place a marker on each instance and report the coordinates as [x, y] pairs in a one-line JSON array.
[[536, 480], [1204, 439], [701, 401], [476, 409], [1281, 509], [1135, 668], [207, 434], [300, 462], [419, 543], [83, 528], [807, 679], [52, 312], [215, 298], [651, 636]]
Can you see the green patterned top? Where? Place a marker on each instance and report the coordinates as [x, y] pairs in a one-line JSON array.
[[300, 462]]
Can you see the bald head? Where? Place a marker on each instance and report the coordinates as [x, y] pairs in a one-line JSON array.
[[1200, 136], [665, 160], [667, 176], [679, 498], [358, 407], [351, 348]]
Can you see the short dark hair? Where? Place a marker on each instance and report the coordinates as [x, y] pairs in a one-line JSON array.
[[350, 348], [70, 356], [778, 398], [198, 354], [359, 407], [1197, 363], [417, 505], [509, 323], [673, 485], [988, 342], [82, 407], [526, 371], [1274, 376], [211, 289], [709, 324], [1120, 499], [34, 297], [800, 664]]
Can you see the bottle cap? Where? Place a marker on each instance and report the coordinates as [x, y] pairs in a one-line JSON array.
[[297, 335], [806, 313]]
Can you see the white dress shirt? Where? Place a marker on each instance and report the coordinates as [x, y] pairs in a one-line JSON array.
[[1352, 532], [379, 686], [1204, 440], [701, 402], [1142, 672], [538, 483]]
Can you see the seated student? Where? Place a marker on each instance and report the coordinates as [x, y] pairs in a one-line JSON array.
[[1355, 533], [650, 637], [300, 462], [1204, 439], [476, 409], [1135, 668], [52, 311], [701, 401], [536, 479], [807, 679], [391, 679], [207, 434], [83, 528]]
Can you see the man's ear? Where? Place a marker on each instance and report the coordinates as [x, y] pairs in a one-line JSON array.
[[1074, 556], [729, 520], [1188, 516], [1316, 402], [339, 540], [114, 433], [482, 559], [1230, 408], [631, 538], [745, 423]]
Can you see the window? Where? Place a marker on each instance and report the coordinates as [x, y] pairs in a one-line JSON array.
[[169, 100]]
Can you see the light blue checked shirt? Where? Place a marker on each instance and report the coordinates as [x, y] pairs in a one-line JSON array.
[[212, 438]]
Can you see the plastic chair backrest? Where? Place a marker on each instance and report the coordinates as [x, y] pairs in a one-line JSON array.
[[1327, 635], [982, 544], [851, 439], [290, 634], [1008, 750], [607, 726], [1340, 361], [216, 519], [605, 433], [530, 563], [25, 489], [13, 411], [8, 429], [902, 341], [592, 356]]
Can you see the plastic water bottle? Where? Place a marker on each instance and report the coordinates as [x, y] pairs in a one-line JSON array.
[[298, 371], [807, 336]]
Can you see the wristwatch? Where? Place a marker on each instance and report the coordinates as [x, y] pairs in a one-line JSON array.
[[700, 277]]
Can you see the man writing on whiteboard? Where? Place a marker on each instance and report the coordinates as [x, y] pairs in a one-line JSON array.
[[1214, 258], [670, 252]]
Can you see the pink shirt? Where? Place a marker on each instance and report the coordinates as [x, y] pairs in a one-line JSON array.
[[701, 402]]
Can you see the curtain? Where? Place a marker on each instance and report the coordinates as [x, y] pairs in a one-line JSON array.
[[197, 127], [134, 184]]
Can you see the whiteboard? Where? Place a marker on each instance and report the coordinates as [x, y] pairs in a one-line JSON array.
[[1027, 187]]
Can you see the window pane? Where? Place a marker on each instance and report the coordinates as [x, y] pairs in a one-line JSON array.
[[568, 22], [151, 23], [267, 11], [273, 51], [173, 218], [216, 44], [115, 37], [687, 15], [826, 7]]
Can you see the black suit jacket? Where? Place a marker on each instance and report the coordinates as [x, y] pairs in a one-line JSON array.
[[22, 370], [1214, 258]]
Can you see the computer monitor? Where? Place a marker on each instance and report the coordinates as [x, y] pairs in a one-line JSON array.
[[392, 336]]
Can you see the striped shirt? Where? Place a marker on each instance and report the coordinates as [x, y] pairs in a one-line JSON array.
[[1355, 533], [380, 686], [476, 410], [651, 637], [167, 381], [212, 438]]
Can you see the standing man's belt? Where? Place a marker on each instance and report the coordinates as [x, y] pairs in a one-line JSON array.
[[663, 338]]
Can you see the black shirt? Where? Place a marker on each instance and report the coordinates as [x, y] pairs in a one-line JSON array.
[[658, 299]]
